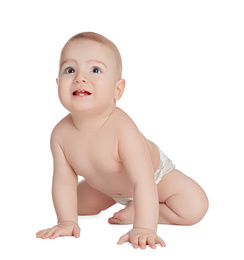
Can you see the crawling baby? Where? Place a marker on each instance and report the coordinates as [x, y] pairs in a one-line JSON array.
[[99, 141]]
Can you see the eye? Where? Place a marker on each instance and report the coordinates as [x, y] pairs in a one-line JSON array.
[[96, 70], [69, 70]]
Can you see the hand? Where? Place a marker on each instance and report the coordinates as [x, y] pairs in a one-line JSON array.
[[142, 237], [62, 229]]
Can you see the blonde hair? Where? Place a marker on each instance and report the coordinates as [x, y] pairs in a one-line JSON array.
[[103, 40]]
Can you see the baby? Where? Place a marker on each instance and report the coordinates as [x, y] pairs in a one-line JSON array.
[[100, 142]]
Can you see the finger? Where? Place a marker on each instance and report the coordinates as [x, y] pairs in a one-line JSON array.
[[123, 239], [151, 243], [57, 233], [142, 242], [49, 233], [135, 243], [42, 233], [160, 241], [76, 232], [39, 232]]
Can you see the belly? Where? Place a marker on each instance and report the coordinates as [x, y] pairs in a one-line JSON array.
[[116, 184]]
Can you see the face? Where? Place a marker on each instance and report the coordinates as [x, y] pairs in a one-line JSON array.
[[88, 80]]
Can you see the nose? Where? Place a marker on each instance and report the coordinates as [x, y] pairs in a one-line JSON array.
[[80, 78]]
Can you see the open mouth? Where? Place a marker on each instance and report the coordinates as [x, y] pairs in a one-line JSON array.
[[81, 93]]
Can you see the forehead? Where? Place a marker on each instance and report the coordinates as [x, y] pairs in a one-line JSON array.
[[86, 49]]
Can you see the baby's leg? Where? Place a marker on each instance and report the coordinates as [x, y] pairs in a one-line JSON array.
[[182, 200], [92, 201]]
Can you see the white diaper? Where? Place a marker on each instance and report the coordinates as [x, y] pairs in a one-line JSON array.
[[165, 166]]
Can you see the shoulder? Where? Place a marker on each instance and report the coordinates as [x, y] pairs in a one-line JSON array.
[[59, 130], [124, 123], [127, 131]]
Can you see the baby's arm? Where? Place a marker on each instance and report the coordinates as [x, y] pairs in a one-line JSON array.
[[64, 192], [137, 161]]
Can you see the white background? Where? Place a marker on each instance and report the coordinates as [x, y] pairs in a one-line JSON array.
[[183, 63]]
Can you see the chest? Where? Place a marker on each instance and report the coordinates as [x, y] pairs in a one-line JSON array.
[[91, 156]]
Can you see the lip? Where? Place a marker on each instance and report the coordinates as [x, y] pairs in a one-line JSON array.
[[81, 93]]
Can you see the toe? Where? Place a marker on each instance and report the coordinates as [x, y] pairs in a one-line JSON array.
[[114, 220]]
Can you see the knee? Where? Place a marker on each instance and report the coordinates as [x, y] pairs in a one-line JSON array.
[[197, 209]]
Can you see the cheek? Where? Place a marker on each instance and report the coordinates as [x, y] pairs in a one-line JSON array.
[[63, 92], [63, 85], [60, 90], [61, 96], [106, 92], [106, 88]]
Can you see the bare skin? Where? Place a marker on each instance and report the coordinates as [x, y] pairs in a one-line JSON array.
[[100, 142], [177, 205]]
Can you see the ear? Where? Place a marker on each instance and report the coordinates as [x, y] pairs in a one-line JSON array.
[[120, 86], [57, 81]]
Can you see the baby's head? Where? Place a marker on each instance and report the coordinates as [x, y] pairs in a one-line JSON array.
[[90, 73], [101, 40]]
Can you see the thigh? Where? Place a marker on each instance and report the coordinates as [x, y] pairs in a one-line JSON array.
[[183, 201], [92, 201], [175, 182], [183, 196]]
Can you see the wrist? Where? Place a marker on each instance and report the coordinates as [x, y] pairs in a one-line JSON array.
[[68, 222], [143, 228]]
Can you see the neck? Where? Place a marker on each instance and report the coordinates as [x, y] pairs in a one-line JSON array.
[[84, 122]]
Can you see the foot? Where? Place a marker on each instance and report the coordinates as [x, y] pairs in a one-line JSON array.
[[124, 216]]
